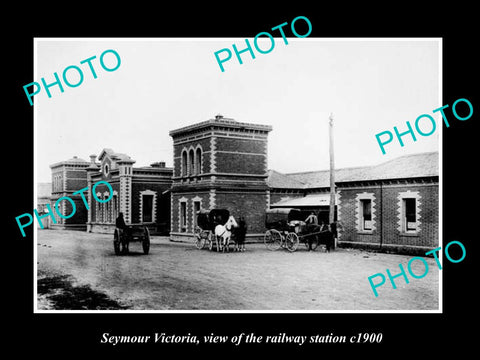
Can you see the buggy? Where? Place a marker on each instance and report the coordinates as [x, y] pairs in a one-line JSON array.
[[134, 233], [286, 228], [207, 220]]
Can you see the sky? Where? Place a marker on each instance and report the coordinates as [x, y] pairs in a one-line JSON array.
[[370, 86]]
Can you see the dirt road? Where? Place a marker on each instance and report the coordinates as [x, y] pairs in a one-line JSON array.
[[78, 270]]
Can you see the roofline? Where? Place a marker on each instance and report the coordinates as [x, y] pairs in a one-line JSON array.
[[318, 171], [364, 166], [228, 122], [67, 162]]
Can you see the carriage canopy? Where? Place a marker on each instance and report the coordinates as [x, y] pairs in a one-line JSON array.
[[279, 218], [208, 219]]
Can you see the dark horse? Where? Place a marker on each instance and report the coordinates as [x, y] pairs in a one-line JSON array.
[[328, 236], [325, 234]]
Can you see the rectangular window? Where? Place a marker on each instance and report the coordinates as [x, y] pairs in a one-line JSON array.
[[100, 211], [115, 208], [183, 216], [410, 220], [196, 209], [366, 208], [147, 208], [107, 212]]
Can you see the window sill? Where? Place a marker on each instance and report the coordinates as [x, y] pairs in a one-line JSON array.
[[365, 232], [410, 234]]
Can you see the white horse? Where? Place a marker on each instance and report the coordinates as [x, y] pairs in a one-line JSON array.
[[224, 232]]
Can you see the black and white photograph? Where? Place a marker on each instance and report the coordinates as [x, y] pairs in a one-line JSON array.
[[262, 187], [290, 181]]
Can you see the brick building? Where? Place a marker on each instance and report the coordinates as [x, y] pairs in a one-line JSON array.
[[68, 177], [44, 195], [392, 206], [222, 163], [219, 163], [141, 193]]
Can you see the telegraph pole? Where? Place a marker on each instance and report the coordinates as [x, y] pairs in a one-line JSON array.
[[332, 172]]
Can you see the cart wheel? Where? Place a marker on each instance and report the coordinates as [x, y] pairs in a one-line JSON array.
[[273, 239], [124, 247], [116, 242], [146, 241], [210, 242], [199, 240], [292, 241]]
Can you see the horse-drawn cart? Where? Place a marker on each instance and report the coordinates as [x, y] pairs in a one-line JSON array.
[[207, 220], [286, 228], [133, 233]]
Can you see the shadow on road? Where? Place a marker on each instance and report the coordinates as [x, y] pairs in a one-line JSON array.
[[62, 295]]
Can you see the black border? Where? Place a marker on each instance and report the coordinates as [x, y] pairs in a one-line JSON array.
[[58, 335]]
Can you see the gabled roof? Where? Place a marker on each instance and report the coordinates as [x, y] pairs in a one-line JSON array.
[[407, 166], [281, 181], [313, 179], [114, 155], [322, 199]]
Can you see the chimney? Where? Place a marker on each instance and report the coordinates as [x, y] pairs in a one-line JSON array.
[[218, 116], [158, 164], [92, 158]]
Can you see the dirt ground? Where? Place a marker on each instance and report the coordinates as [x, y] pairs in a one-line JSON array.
[[79, 271]]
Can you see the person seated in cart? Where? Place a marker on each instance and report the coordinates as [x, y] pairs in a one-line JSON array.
[[120, 223], [311, 219]]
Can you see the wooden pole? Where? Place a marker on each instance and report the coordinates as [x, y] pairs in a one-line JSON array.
[[332, 173]]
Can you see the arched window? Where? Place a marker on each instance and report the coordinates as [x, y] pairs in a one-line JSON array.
[[191, 162], [184, 163], [198, 161]]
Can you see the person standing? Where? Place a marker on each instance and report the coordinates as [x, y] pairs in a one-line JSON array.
[[312, 226], [241, 232]]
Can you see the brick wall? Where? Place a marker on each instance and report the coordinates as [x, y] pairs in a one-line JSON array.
[[76, 179], [178, 149], [348, 210], [428, 211], [242, 145], [81, 213], [240, 163], [162, 213], [250, 205], [204, 143], [203, 197], [65, 208], [387, 230]]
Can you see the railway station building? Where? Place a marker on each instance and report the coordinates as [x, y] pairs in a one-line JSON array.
[[391, 206], [223, 163], [67, 177], [141, 193], [219, 163]]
